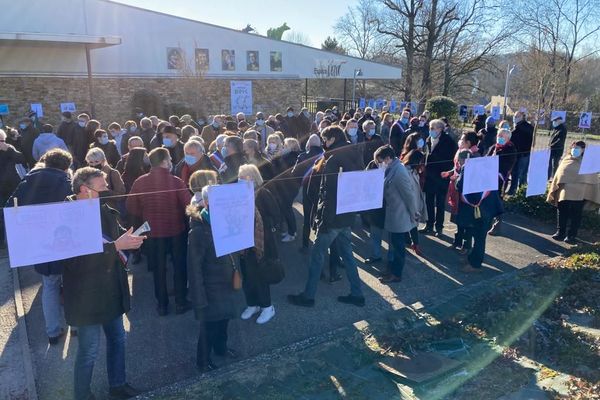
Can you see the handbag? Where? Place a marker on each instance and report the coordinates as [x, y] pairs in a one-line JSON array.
[[271, 270]]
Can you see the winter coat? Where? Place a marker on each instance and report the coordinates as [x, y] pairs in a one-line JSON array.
[[210, 277], [397, 137], [176, 152], [558, 137], [420, 205], [522, 138], [369, 146], [507, 157], [28, 136], [110, 151], [375, 217], [209, 134], [438, 160], [399, 198], [286, 185], [229, 170], [66, 131], [270, 212], [184, 171], [96, 289], [147, 135], [490, 206], [82, 140], [44, 185], [487, 138], [46, 142], [569, 184], [9, 178]]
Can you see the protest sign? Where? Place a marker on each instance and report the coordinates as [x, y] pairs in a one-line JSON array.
[[67, 107], [585, 120], [462, 111], [51, 232], [3, 109], [537, 174], [372, 103], [362, 103], [393, 106], [38, 109], [241, 97], [496, 113], [558, 113], [478, 109], [359, 191], [481, 174], [414, 107], [380, 103], [591, 160], [231, 209]]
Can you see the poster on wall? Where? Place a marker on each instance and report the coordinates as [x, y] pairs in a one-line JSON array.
[[175, 59], [38, 109], [228, 60], [70, 107], [4, 109], [252, 61], [276, 61], [202, 60], [241, 97]]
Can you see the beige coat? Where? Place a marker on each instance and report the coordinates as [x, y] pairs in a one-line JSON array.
[[568, 184]]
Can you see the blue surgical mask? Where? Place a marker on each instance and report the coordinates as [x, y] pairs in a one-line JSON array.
[[420, 143], [555, 123], [352, 131], [405, 120], [200, 122], [81, 124], [22, 126], [260, 122], [434, 134], [290, 114], [132, 128], [576, 152], [216, 124], [224, 152], [371, 132], [501, 141], [167, 142], [190, 160], [103, 140]]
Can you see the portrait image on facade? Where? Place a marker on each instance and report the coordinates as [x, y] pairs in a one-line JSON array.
[[252, 61], [175, 58], [276, 64], [228, 60], [202, 60]]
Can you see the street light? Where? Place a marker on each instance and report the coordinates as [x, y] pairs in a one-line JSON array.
[[357, 72], [509, 71]]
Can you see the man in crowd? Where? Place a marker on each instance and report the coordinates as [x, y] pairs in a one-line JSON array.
[[210, 132], [367, 116], [132, 143], [262, 128], [28, 133], [195, 159], [96, 294], [522, 138], [163, 206], [147, 132], [46, 141], [67, 130], [81, 140], [172, 143], [558, 137], [120, 136], [233, 157], [289, 127]]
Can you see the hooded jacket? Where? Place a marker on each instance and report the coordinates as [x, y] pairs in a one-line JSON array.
[[46, 142]]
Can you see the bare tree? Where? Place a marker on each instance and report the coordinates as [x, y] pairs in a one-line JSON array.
[[297, 37], [357, 30]]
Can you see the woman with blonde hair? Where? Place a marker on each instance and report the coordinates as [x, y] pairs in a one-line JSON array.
[[274, 146]]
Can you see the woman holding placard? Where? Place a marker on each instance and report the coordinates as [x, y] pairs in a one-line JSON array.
[[571, 193]]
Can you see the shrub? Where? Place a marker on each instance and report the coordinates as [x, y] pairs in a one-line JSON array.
[[442, 106]]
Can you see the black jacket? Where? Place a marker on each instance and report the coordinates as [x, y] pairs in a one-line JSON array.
[[176, 152], [229, 172], [66, 131], [9, 178], [147, 135], [81, 144], [487, 139], [558, 138], [369, 146], [268, 208], [96, 289], [522, 138], [397, 138], [343, 156], [439, 160], [507, 157], [110, 151], [45, 185], [285, 185], [28, 136], [210, 277]]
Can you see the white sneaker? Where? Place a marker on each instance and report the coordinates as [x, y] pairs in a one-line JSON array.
[[249, 312], [265, 315], [288, 238]]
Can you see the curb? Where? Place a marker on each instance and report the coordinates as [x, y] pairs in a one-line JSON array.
[[22, 327]]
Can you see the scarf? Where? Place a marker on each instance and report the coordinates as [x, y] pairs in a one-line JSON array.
[[205, 215]]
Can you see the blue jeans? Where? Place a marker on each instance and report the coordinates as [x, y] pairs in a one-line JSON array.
[[317, 258], [376, 235], [53, 311], [519, 173], [398, 241], [89, 341]]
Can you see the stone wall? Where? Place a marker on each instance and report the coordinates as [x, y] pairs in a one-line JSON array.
[[114, 97]]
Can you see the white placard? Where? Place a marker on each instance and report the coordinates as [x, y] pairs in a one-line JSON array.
[[537, 173], [585, 120], [481, 174], [67, 107], [478, 109], [496, 113], [359, 190], [51, 232], [558, 113], [591, 160], [231, 210], [39, 110], [241, 97]]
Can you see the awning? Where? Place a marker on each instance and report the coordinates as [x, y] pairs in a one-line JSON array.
[[51, 38]]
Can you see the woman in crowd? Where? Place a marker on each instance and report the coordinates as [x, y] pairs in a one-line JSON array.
[[386, 127], [199, 180], [255, 156], [274, 146], [571, 193], [414, 162], [9, 178], [210, 285], [286, 186], [108, 146], [137, 164], [414, 141], [256, 288], [507, 154], [96, 158]]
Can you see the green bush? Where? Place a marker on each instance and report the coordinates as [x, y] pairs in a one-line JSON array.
[[537, 208], [442, 106]]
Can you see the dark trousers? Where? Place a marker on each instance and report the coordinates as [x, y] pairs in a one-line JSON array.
[[157, 249], [212, 336], [436, 208], [3, 200], [462, 238], [398, 241], [478, 232], [569, 210], [306, 210], [290, 218], [256, 290], [555, 157], [412, 237]]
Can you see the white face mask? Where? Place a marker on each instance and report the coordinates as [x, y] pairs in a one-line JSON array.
[[352, 131], [382, 165], [272, 147]]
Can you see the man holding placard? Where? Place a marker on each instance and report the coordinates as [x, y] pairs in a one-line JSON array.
[[558, 137], [96, 293]]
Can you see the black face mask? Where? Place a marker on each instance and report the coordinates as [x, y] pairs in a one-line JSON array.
[[98, 166]]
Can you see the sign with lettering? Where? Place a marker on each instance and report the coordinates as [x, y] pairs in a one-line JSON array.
[[328, 68]]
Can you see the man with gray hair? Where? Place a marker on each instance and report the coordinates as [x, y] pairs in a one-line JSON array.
[[132, 143], [262, 129], [195, 159]]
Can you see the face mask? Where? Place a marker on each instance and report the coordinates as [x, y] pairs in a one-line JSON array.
[[382, 165], [420, 143], [103, 140], [555, 123], [506, 126], [81, 124], [190, 160], [422, 124], [97, 166], [290, 114], [517, 120], [132, 129], [405, 120], [306, 114], [216, 124], [115, 133], [260, 122], [224, 152], [272, 147], [501, 141], [167, 142], [576, 152], [23, 126], [371, 132], [434, 134], [200, 122], [352, 131]]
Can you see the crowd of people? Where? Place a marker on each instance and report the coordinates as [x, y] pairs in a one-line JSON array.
[[159, 171]]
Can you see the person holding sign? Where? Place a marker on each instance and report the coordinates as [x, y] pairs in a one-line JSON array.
[[96, 293], [558, 137], [330, 226], [9, 178], [571, 192]]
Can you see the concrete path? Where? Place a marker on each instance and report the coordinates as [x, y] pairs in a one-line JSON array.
[[161, 351]]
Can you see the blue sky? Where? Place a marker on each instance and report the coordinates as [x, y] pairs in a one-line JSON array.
[[315, 18]]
